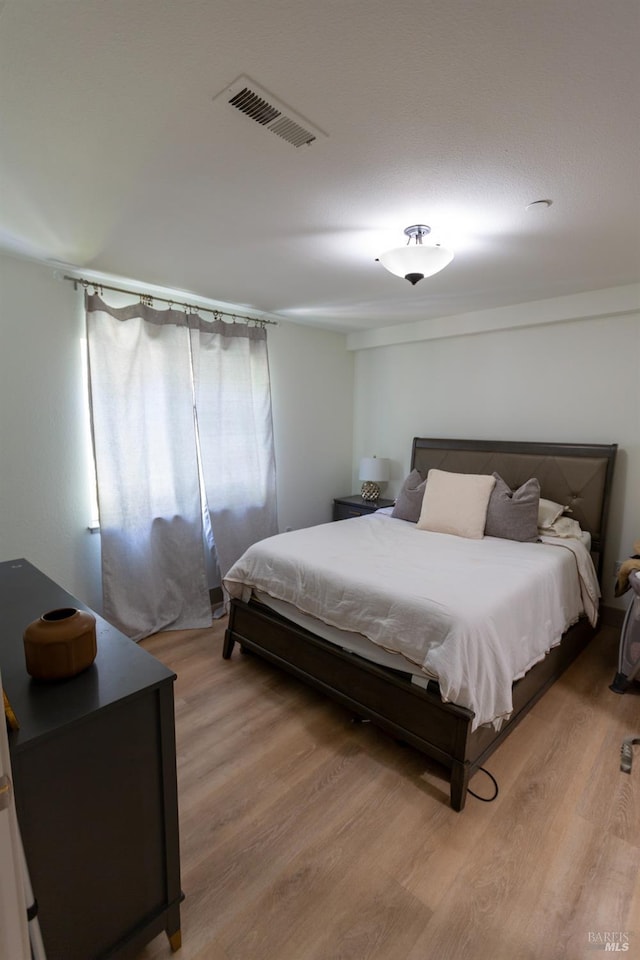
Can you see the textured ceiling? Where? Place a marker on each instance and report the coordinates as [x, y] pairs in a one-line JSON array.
[[118, 155]]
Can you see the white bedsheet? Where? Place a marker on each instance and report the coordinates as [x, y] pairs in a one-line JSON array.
[[475, 613]]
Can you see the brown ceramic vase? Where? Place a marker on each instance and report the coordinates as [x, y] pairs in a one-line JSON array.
[[60, 644]]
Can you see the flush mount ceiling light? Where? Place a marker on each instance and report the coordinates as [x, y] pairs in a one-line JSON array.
[[537, 205], [416, 261]]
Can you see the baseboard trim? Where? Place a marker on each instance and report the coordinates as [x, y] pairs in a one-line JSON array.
[[611, 616], [216, 598]]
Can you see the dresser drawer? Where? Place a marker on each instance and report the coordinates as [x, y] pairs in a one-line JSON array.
[[344, 511]]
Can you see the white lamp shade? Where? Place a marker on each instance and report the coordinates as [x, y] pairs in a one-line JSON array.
[[416, 258], [375, 469]]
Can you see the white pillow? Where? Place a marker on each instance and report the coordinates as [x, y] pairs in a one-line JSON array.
[[548, 512], [456, 503]]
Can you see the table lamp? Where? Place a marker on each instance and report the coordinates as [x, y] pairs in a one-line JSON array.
[[373, 471]]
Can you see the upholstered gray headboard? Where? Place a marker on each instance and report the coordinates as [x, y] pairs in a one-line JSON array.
[[576, 475]]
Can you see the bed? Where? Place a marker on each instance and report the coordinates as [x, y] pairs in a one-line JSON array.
[[381, 678]]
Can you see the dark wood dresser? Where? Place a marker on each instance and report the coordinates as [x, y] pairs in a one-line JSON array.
[[94, 770]]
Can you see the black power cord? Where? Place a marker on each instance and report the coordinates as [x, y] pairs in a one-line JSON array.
[[495, 784]]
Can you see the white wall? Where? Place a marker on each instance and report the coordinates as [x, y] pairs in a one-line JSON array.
[[45, 495], [312, 394], [574, 381]]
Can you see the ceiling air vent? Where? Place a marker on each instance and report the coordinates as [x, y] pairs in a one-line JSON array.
[[256, 103]]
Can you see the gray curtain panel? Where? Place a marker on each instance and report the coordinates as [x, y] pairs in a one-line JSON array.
[[156, 376], [235, 430]]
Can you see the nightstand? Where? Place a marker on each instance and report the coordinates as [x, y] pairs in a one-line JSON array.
[[354, 506]]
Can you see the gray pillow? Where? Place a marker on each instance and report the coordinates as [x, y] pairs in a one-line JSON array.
[[409, 502], [513, 514]]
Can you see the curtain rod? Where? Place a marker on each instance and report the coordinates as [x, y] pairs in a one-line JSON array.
[[148, 298]]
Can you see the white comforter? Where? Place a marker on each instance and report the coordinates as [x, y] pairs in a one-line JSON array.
[[475, 613]]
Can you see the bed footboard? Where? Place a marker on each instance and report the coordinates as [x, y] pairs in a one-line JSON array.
[[442, 731]]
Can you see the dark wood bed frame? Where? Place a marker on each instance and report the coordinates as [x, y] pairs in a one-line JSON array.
[[576, 474]]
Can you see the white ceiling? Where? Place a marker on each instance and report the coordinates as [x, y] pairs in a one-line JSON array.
[[116, 157]]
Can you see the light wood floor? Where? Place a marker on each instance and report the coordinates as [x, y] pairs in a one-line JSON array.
[[307, 837]]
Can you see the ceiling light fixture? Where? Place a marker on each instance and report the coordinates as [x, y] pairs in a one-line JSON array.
[[416, 261], [539, 205]]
